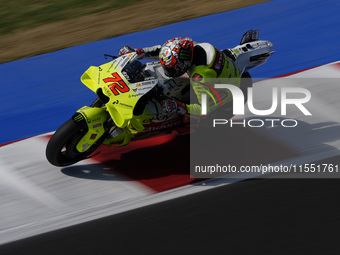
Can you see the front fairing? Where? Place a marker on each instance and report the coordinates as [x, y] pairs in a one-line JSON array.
[[114, 85]]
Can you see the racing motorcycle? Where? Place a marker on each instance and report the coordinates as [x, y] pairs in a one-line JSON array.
[[124, 86]]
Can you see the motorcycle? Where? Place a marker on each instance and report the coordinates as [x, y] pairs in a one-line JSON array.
[[125, 87]]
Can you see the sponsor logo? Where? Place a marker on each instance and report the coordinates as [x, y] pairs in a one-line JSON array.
[[126, 105], [78, 118], [85, 146], [157, 118], [143, 88], [150, 78], [97, 125], [158, 126], [96, 119], [136, 95], [147, 83]]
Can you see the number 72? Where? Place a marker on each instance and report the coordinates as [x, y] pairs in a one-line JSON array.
[[117, 85]]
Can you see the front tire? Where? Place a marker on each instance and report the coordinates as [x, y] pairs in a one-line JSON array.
[[61, 149]]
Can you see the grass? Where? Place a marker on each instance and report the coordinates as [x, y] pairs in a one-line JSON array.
[[24, 14]]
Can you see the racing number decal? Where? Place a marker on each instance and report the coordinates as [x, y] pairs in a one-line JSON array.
[[118, 85]]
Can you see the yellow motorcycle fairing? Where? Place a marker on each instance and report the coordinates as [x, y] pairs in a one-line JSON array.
[[95, 118], [119, 95]]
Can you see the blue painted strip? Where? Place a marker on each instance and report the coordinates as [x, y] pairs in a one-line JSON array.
[[38, 94]]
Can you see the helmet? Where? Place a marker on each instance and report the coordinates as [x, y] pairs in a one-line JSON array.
[[176, 56]]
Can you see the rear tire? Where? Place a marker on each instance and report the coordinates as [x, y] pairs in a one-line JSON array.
[[61, 149]]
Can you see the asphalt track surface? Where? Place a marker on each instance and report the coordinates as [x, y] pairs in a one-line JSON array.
[[256, 216]]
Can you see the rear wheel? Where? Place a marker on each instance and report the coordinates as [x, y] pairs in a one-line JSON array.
[[61, 149]]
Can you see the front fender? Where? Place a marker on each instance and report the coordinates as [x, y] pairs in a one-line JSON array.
[[93, 118]]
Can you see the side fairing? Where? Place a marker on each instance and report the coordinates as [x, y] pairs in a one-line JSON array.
[[120, 96]]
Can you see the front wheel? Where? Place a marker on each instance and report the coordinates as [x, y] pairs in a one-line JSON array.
[[61, 149]]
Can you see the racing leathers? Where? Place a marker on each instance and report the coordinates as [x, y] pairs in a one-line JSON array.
[[210, 66]]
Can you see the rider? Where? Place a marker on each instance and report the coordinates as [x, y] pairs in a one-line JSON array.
[[201, 62]]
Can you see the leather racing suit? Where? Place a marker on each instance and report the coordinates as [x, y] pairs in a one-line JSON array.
[[210, 66]]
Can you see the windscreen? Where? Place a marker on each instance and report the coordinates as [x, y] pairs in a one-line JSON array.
[[133, 71]]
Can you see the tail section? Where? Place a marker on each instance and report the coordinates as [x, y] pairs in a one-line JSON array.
[[250, 36]]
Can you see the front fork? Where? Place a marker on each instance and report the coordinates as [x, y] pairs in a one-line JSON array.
[[93, 119], [98, 123]]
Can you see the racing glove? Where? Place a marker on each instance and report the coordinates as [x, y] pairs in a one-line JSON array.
[[127, 49]]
